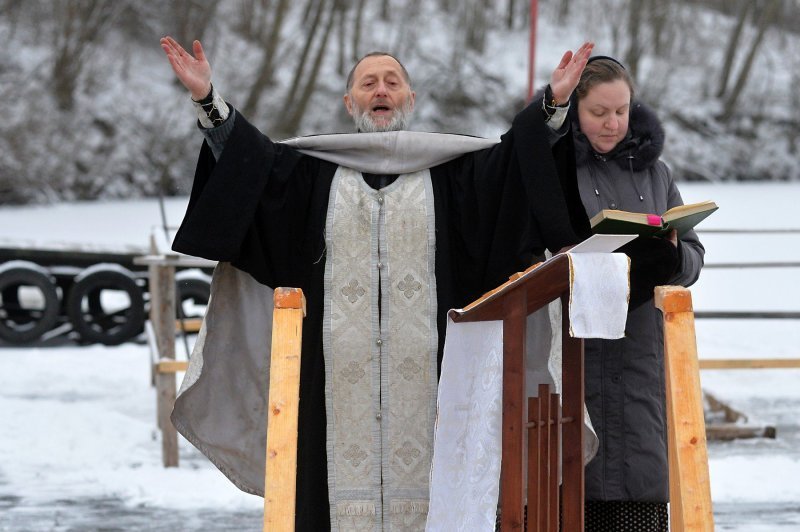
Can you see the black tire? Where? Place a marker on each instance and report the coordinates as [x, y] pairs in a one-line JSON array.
[[193, 293], [19, 323], [97, 324]]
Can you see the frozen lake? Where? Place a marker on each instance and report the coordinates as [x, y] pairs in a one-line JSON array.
[[79, 441]]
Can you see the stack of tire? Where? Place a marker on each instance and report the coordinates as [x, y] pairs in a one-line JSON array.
[[104, 303]]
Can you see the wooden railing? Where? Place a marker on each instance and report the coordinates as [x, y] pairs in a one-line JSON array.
[[750, 363]]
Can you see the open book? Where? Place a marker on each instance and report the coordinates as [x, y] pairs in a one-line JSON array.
[[682, 218]]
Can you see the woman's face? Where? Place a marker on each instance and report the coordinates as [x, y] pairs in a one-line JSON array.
[[603, 114]]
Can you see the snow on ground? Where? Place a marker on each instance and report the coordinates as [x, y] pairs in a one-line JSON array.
[[80, 448], [79, 425]]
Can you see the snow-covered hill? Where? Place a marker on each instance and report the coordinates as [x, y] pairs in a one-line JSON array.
[[92, 109]]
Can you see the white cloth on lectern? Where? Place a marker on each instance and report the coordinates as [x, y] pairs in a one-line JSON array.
[[465, 475], [598, 296]]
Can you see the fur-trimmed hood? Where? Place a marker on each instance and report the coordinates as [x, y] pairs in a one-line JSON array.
[[644, 141]]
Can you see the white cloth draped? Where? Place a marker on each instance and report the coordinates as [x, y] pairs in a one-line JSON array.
[[598, 301]]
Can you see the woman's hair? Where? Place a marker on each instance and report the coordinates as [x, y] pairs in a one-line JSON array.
[[602, 69]]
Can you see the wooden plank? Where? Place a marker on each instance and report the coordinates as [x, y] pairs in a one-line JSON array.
[[543, 283], [731, 431], [555, 445], [171, 366], [744, 315], [572, 433], [189, 325], [690, 489], [284, 397], [172, 259], [749, 363], [544, 458], [511, 472], [534, 446], [69, 257], [162, 316], [517, 275], [150, 335], [748, 265]]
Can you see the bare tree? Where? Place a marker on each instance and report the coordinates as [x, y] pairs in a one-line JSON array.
[[475, 18], [252, 18], [359, 18], [304, 80], [634, 52], [270, 39], [563, 11], [79, 24], [794, 105], [299, 71], [733, 44], [12, 10], [765, 19], [192, 18], [341, 9], [660, 23], [510, 14]]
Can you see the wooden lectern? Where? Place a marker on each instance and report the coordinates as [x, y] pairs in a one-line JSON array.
[[512, 302]]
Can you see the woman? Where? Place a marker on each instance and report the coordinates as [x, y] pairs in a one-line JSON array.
[[618, 142]]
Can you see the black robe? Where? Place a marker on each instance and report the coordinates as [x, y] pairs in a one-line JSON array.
[[263, 205]]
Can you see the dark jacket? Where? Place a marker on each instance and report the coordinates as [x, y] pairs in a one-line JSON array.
[[624, 380]]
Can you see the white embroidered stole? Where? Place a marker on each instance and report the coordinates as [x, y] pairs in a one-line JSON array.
[[380, 344]]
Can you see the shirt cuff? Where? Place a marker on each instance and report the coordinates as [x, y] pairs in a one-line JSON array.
[[217, 137], [558, 117], [211, 110]]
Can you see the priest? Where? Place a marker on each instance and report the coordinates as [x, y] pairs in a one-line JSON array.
[[384, 230]]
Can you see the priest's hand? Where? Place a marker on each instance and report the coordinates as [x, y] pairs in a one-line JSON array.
[[193, 71], [568, 72]]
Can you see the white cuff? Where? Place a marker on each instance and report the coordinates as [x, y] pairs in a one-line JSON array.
[[557, 119], [213, 113]]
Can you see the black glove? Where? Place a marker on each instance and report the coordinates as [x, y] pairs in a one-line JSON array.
[[653, 263]]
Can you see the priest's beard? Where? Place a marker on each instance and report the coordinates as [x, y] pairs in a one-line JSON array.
[[399, 122]]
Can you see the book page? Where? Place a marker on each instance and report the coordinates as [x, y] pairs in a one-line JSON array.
[[601, 243], [613, 214], [690, 208]]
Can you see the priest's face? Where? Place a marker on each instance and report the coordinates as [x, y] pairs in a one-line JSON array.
[[380, 97]]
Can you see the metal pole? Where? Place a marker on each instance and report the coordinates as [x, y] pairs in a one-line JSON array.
[[532, 48]]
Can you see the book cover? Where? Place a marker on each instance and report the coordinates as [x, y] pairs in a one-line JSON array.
[[682, 218]]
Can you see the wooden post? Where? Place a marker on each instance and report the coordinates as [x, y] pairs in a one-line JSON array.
[[283, 402], [555, 445], [162, 316], [689, 485], [534, 463], [511, 473], [161, 270], [572, 434], [545, 451]]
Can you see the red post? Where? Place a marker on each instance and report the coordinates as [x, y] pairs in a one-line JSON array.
[[532, 48]]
